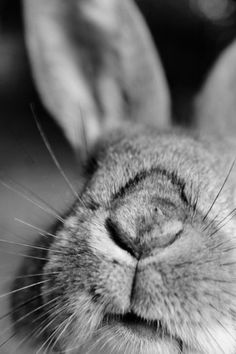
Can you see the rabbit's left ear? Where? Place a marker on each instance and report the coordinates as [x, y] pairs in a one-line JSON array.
[[94, 56], [216, 104]]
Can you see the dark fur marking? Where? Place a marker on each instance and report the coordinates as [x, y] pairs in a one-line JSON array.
[[175, 180]]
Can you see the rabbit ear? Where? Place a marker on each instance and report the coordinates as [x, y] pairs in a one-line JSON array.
[[216, 105], [94, 57]]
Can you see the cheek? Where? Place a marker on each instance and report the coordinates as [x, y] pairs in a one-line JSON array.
[[32, 183], [219, 338]]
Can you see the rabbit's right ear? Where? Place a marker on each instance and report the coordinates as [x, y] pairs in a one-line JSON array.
[[216, 104], [95, 57]]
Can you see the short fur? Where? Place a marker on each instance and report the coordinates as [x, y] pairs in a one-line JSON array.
[[144, 261]]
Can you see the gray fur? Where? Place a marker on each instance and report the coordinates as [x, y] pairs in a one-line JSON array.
[[145, 259], [146, 182]]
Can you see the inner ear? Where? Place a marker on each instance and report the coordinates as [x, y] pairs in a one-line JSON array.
[[94, 65]]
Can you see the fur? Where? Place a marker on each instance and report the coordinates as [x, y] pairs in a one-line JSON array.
[[144, 260]]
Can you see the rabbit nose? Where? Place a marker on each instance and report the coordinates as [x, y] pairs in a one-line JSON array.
[[152, 237]]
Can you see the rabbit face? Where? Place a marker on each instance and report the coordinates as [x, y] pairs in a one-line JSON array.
[[144, 261], [141, 264]]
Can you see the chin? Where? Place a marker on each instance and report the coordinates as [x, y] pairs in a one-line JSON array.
[[125, 336]]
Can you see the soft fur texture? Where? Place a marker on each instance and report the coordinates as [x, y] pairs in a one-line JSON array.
[[137, 242], [144, 261]]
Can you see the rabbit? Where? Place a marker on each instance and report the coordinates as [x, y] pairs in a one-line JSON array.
[[143, 261]]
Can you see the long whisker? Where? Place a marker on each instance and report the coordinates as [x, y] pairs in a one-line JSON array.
[[227, 218], [226, 330], [48, 340], [55, 160], [45, 208], [7, 340], [214, 339], [45, 233], [8, 231], [218, 245], [210, 223], [23, 255], [38, 330], [64, 324], [196, 199], [42, 232], [232, 212], [220, 190], [33, 311], [29, 246], [23, 288], [223, 225], [25, 276], [51, 337], [42, 323], [8, 279], [10, 313], [25, 316]]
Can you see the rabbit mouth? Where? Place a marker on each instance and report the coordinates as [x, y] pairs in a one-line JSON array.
[[148, 329]]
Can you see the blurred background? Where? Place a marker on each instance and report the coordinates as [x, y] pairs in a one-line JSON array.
[[189, 35]]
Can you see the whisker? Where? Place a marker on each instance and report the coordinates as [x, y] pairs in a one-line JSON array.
[[42, 232], [24, 339], [29, 246], [218, 245], [219, 311], [221, 227], [9, 313], [45, 233], [28, 276], [214, 339], [229, 217], [220, 190], [23, 255], [55, 160], [196, 201], [34, 310], [25, 316], [8, 231], [34, 332], [210, 223], [226, 330], [23, 288], [7, 340], [23, 194], [67, 323], [43, 315], [50, 338]]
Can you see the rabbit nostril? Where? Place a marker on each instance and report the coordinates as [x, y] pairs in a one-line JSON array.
[[119, 238]]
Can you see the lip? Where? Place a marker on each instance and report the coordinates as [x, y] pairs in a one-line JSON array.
[[153, 330]]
